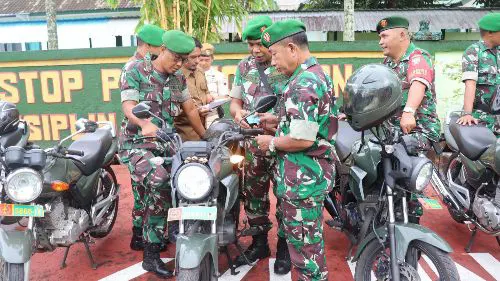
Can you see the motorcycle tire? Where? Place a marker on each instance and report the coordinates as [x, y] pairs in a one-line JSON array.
[[446, 269], [12, 271], [101, 232], [204, 272]]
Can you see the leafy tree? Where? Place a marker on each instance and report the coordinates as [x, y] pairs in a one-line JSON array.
[[201, 18]]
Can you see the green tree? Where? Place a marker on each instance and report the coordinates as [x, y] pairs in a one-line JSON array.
[[201, 18]]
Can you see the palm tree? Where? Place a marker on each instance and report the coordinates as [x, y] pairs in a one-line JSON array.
[[201, 18], [50, 10]]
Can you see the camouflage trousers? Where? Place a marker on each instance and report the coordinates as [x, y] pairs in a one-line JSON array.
[[491, 121], [259, 175], [302, 221], [151, 189]]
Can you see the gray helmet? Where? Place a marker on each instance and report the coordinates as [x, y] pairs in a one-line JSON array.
[[372, 95], [9, 117]]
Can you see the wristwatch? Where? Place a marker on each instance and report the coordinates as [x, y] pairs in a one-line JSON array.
[[409, 110], [272, 148]]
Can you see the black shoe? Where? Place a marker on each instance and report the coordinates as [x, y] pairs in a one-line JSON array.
[[259, 249], [137, 242], [283, 264], [152, 262]]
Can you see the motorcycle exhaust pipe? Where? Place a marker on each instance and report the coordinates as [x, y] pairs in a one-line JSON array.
[[441, 189], [330, 207]]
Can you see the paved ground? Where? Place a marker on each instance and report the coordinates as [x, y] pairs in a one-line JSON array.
[[118, 262]]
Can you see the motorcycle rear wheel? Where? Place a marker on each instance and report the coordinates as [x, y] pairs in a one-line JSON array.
[[12, 271], [103, 230], [203, 272], [455, 164], [444, 265]]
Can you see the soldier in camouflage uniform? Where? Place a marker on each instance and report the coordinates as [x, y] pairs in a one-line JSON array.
[[259, 166], [304, 145], [414, 67], [149, 41], [481, 75], [159, 84]]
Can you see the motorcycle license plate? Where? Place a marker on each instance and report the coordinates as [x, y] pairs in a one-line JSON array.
[[192, 213], [16, 210]]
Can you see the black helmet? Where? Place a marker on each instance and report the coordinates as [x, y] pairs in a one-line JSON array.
[[372, 95], [9, 117]]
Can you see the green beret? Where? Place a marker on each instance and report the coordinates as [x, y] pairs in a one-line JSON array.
[[255, 27], [490, 22], [392, 22], [151, 34], [178, 42], [281, 30]]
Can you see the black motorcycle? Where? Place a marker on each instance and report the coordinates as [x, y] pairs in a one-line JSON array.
[[68, 195]]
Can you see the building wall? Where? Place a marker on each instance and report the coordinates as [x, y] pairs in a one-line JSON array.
[[72, 34]]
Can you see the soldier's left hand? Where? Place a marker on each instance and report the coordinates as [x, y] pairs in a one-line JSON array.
[[407, 122], [263, 142]]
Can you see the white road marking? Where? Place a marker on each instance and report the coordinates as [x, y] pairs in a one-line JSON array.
[[130, 272], [489, 263]]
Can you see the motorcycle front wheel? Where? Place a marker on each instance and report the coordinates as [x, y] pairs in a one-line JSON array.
[[204, 272], [422, 259], [12, 271]]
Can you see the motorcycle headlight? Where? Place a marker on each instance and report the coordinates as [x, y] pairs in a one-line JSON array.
[[23, 185], [193, 181], [421, 173]]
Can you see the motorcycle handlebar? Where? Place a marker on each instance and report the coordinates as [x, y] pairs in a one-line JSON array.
[[252, 132], [74, 152]]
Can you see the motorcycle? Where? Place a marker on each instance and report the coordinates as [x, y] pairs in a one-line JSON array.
[[471, 188], [377, 172], [68, 195], [205, 192]]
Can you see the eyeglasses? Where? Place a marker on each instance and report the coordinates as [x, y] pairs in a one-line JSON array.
[[177, 57]]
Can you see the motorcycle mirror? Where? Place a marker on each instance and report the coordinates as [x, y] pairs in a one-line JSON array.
[[86, 125], [142, 110], [265, 103]]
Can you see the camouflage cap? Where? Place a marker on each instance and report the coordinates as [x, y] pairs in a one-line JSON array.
[[490, 22], [178, 42], [151, 34], [255, 27], [281, 30], [392, 22], [207, 49]]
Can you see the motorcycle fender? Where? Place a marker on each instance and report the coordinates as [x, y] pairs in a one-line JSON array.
[[356, 176], [405, 234], [110, 155], [16, 246], [190, 250], [231, 184]]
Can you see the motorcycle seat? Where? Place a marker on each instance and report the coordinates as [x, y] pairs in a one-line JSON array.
[[346, 136], [94, 146], [472, 141]]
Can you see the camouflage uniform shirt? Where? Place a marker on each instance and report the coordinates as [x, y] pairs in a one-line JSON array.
[[164, 93], [416, 65], [308, 112], [480, 63]]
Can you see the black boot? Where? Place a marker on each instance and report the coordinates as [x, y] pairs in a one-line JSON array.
[[259, 249], [137, 242], [152, 262], [283, 264]]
